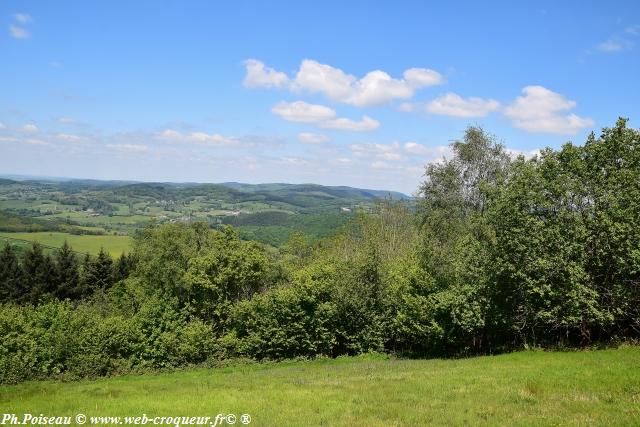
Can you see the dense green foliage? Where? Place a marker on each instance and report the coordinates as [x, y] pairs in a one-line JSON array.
[[500, 254]]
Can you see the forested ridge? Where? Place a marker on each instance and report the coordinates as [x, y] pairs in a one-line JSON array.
[[499, 254]]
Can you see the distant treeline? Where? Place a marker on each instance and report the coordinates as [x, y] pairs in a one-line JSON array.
[[14, 223], [276, 227], [501, 254], [32, 276]]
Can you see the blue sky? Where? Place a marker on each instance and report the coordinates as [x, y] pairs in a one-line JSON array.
[[358, 93]]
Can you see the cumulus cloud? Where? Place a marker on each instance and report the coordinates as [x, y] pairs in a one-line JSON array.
[[341, 161], [365, 124], [382, 152], [620, 41], [541, 110], [321, 116], [375, 88], [633, 30], [260, 76], [612, 46], [454, 105], [22, 18], [173, 136], [303, 112], [312, 138], [129, 148], [296, 161], [67, 137], [426, 151], [30, 128], [2, 126], [423, 77], [18, 32]]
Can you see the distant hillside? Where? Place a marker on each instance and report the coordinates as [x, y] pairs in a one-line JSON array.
[[265, 212], [336, 191]]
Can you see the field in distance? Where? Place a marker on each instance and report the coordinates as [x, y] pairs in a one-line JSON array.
[[114, 245], [527, 388], [268, 213]]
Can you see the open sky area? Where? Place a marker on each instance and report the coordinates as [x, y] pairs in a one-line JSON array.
[[340, 93]]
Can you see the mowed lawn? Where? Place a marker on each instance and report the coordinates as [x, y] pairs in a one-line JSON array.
[[527, 388], [115, 245]]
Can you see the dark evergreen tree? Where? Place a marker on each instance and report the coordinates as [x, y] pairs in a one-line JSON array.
[[103, 270], [11, 279], [88, 275], [38, 272], [122, 267], [67, 278]]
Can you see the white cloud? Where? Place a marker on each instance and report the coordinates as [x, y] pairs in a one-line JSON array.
[[633, 30], [304, 112], [296, 161], [18, 32], [260, 76], [129, 148], [540, 110], [423, 77], [423, 150], [379, 164], [312, 138], [66, 120], [30, 128], [173, 136], [69, 137], [22, 18], [612, 46], [213, 139], [342, 161], [170, 134], [375, 88], [452, 104], [366, 124], [321, 116], [2, 126], [380, 151]]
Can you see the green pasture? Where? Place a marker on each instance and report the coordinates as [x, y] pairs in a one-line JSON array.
[[584, 388], [115, 245]]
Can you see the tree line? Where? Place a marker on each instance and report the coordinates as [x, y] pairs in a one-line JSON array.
[[500, 254], [34, 276]]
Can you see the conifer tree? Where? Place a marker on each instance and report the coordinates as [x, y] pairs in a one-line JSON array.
[[103, 270], [122, 267], [11, 280], [87, 275], [67, 279], [38, 272]]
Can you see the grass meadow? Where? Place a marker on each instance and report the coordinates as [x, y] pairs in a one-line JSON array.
[[600, 387], [115, 245]]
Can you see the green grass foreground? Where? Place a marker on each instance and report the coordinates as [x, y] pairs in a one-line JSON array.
[[527, 388]]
